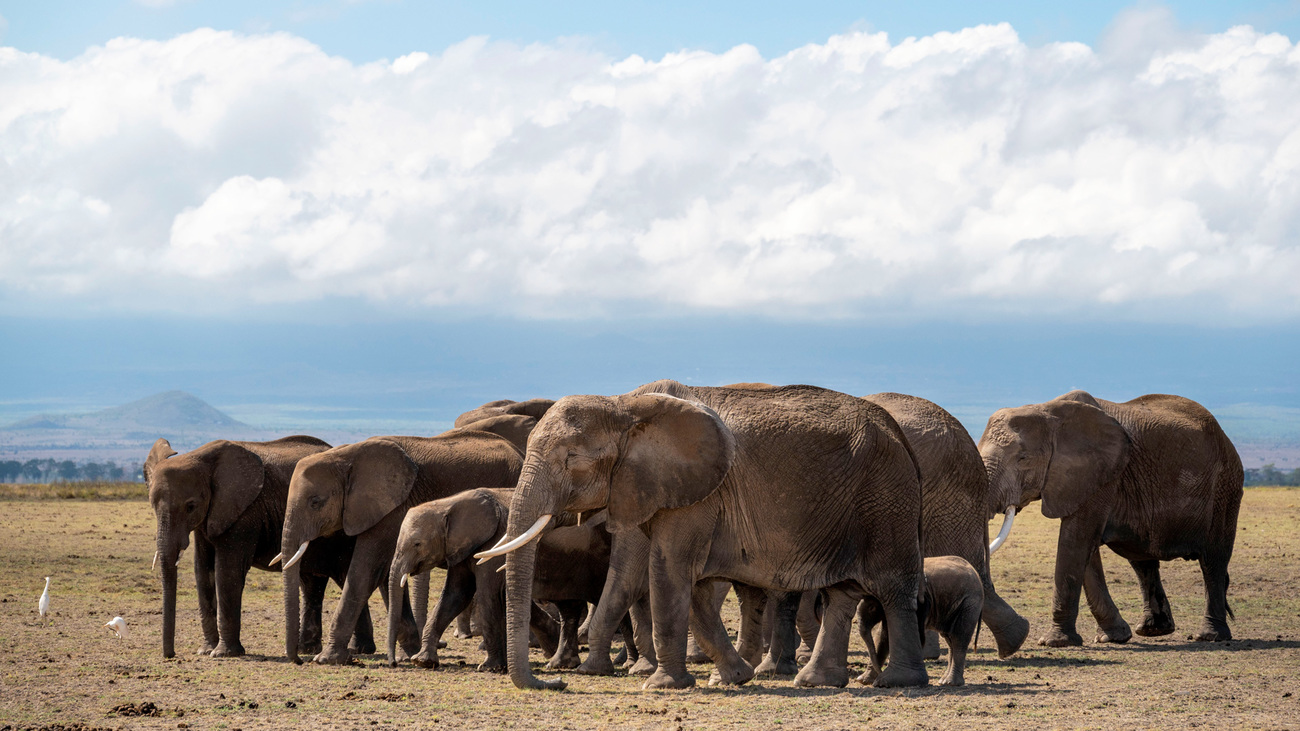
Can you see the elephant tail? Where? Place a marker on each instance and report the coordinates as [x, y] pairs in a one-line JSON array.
[[975, 641], [1227, 580]]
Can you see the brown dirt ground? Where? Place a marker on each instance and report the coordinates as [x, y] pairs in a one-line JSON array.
[[67, 671]]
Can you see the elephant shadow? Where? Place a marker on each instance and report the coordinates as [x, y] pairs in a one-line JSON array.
[[1233, 645]]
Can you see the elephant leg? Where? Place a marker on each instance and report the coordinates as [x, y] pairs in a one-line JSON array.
[[629, 655], [1009, 629], [205, 558], [231, 571], [694, 653], [870, 614], [363, 637], [808, 622], [900, 600], [313, 604], [584, 631], [362, 580], [1157, 616], [930, 649], [1075, 544], [457, 591], [464, 625], [1214, 572], [780, 657], [753, 610], [566, 655], [671, 596], [729, 667], [643, 638], [829, 664], [957, 635], [1111, 627], [546, 628], [625, 583]]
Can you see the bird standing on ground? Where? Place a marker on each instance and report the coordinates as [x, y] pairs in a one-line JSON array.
[[44, 604], [118, 625]]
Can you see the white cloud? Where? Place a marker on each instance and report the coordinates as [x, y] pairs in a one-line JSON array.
[[957, 174]]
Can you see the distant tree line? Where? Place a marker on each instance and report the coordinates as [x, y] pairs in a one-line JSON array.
[[53, 470], [1270, 475]]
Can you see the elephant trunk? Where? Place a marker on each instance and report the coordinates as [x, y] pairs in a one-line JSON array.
[[168, 554], [292, 619], [527, 506], [396, 588]]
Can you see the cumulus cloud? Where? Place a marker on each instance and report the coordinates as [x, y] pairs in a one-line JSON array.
[[1156, 176]]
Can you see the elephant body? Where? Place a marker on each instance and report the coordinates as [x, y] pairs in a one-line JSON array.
[[954, 600], [534, 408], [793, 488], [572, 563], [514, 427], [232, 495], [364, 490], [1155, 479]]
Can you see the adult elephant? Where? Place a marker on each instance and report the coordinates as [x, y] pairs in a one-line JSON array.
[[232, 496], [1154, 479], [364, 490], [505, 407], [792, 488], [514, 427]]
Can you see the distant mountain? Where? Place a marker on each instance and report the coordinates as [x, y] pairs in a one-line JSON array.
[[124, 432]]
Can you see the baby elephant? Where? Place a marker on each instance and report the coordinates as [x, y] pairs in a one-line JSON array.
[[571, 565], [953, 600]]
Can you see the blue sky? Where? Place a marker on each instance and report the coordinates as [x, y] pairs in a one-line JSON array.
[[381, 212]]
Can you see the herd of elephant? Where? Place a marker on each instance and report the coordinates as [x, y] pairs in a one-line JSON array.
[[816, 506]]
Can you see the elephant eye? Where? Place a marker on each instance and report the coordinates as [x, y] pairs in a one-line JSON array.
[[190, 506], [316, 502]]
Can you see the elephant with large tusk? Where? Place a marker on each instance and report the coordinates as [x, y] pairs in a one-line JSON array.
[[232, 496], [1154, 479], [363, 490], [792, 488]]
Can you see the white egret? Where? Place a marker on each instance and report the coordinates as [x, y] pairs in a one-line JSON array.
[[44, 604], [118, 625]]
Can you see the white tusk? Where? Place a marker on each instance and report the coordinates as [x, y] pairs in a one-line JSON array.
[[178, 556], [278, 557], [154, 565], [501, 568], [1006, 530], [301, 550], [404, 580], [527, 536], [499, 543]]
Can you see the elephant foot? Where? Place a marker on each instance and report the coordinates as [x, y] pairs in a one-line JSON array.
[[621, 657], [898, 676], [596, 664], [1010, 637], [1056, 637], [460, 634], [773, 667], [1212, 631], [868, 676], [931, 650], [662, 679], [356, 648], [206, 649], [953, 678], [402, 655], [803, 654], [1153, 626], [311, 648], [425, 659], [734, 675], [695, 654], [816, 677], [1119, 634], [563, 663], [333, 656], [224, 650], [493, 665], [642, 667]]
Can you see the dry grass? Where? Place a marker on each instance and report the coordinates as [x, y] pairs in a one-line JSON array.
[[68, 669], [75, 491]]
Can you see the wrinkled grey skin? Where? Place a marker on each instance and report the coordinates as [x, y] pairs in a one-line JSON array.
[[535, 408], [1154, 479], [364, 490], [232, 496], [794, 488], [514, 427], [954, 593]]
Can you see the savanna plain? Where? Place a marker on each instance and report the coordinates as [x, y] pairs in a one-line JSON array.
[[68, 671]]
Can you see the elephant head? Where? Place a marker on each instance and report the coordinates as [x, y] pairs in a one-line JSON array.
[[348, 488], [635, 454], [206, 489], [441, 534], [1061, 451], [505, 407]]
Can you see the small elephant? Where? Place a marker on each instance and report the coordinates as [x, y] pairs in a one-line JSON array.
[[1155, 479], [572, 563], [364, 490], [953, 601], [232, 496]]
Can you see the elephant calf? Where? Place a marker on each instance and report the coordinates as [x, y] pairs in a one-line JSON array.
[[954, 599], [572, 563]]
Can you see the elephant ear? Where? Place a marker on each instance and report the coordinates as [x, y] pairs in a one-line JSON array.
[[380, 479], [1089, 451], [471, 525], [676, 453], [162, 449], [237, 479]]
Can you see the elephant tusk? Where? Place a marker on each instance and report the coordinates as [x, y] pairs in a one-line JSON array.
[[1006, 530], [154, 565], [301, 550], [404, 577], [501, 568], [527, 536], [278, 557], [178, 556]]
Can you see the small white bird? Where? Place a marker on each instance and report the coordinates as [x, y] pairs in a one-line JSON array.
[[118, 625], [44, 605]]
